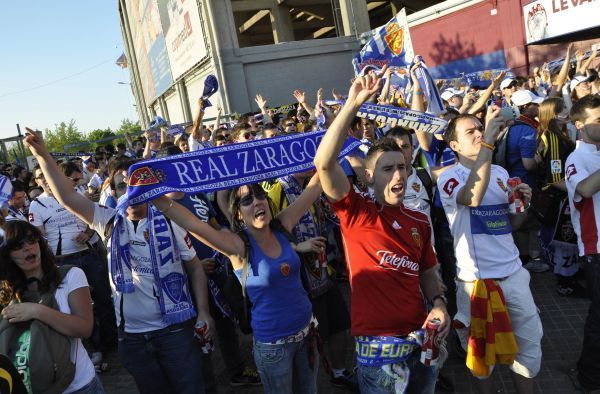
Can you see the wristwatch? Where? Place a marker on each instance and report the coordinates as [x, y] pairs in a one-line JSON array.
[[441, 297]]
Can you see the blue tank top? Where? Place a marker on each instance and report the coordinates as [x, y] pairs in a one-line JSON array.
[[280, 305]]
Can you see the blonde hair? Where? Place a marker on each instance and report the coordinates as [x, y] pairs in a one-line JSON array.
[[549, 108]]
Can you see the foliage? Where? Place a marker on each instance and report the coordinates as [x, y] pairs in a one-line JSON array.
[[63, 134]]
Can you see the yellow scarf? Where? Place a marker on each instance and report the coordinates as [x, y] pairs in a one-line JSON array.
[[491, 338]]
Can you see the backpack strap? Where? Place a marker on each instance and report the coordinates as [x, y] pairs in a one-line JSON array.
[[427, 182]]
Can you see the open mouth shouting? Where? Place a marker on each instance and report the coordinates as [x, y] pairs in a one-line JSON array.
[[260, 214]]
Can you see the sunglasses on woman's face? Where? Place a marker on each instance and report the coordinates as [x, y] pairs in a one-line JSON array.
[[20, 244], [248, 135], [248, 199]]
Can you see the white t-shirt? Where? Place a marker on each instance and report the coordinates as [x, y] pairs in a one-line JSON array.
[[416, 194], [60, 225], [585, 212], [15, 214], [483, 241], [84, 369], [96, 182], [140, 308], [194, 144]]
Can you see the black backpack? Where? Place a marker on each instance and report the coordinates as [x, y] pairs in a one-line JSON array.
[[500, 155], [427, 182], [50, 366]]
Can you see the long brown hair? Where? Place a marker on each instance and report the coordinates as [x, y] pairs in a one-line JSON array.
[[549, 109], [12, 279]]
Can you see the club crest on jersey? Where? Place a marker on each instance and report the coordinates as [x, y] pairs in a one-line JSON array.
[[416, 236], [146, 236], [285, 269], [571, 170], [501, 184], [416, 187], [450, 185], [144, 176], [555, 166]]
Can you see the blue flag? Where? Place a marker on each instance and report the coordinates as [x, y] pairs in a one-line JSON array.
[[390, 45]]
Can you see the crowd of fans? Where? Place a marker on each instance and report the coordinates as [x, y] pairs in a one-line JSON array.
[[430, 209]]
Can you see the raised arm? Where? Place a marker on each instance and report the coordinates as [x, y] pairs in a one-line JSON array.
[[562, 75], [262, 105], [290, 216], [228, 243], [332, 176], [301, 97], [472, 193], [62, 187], [483, 99], [418, 104], [586, 64], [197, 124]]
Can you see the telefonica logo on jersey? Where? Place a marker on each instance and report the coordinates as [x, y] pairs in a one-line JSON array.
[[391, 261]]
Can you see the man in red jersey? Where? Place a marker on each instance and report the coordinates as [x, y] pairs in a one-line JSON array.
[[391, 261]]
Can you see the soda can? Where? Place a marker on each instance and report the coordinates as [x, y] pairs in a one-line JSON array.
[[515, 197], [431, 343], [200, 334]]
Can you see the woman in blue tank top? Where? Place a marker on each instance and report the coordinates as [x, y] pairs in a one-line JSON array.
[[281, 315]]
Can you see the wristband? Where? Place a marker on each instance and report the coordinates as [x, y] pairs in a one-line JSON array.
[[489, 146], [418, 93]]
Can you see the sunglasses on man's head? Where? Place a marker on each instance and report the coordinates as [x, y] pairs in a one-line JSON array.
[[223, 137], [20, 244], [248, 199]]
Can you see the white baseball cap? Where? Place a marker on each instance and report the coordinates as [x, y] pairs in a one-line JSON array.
[[577, 79], [505, 82], [522, 97], [451, 92]]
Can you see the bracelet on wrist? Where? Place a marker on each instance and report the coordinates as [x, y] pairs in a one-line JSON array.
[[489, 146]]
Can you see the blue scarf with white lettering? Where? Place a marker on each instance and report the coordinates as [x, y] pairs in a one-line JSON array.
[[398, 116], [382, 350], [171, 282], [226, 166]]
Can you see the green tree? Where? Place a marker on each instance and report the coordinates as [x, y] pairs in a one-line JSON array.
[[63, 134], [129, 127]]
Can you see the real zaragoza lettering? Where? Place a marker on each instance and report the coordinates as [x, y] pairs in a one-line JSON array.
[[226, 166]]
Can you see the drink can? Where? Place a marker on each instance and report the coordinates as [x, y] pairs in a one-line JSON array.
[[323, 259], [515, 197], [431, 343], [200, 335]]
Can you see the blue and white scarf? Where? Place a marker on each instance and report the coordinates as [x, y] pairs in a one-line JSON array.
[[5, 190], [171, 281], [307, 226]]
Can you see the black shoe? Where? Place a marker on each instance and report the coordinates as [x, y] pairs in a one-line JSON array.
[[572, 290], [444, 383], [247, 378], [346, 381]]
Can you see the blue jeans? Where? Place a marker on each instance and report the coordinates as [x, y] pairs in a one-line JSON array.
[[93, 387], [285, 368], [163, 361], [374, 380]]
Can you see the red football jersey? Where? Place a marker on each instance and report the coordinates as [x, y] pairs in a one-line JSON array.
[[386, 249]]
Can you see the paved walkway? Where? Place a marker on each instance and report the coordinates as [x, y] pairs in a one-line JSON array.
[[562, 318]]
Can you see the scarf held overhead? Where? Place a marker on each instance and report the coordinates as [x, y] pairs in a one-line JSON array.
[[226, 166], [397, 116]]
